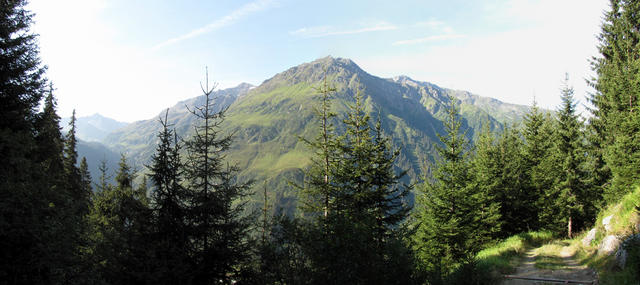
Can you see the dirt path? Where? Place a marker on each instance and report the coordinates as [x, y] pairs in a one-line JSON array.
[[559, 266]]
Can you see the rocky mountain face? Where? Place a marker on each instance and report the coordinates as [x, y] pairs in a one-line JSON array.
[[268, 120], [92, 128]]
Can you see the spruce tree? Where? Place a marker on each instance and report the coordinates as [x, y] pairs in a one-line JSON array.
[[615, 102], [450, 206], [169, 205], [318, 191], [217, 223], [122, 231], [574, 199], [487, 168], [540, 168], [27, 246], [518, 202]]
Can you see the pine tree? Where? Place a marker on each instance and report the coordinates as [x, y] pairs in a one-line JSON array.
[[216, 221], [487, 169], [615, 102], [169, 204], [518, 201], [540, 167], [450, 230], [121, 222], [574, 199], [26, 255], [85, 176], [318, 189]]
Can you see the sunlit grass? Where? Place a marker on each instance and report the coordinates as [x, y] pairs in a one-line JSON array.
[[504, 256]]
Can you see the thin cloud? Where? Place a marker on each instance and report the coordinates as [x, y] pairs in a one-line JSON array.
[[428, 39], [326, 31], [432, 23], [229, 19]]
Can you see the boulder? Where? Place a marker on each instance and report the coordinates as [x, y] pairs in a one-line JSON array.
[[591, 235], [622, 252], [621, 257], [606, 222], [609, 245]]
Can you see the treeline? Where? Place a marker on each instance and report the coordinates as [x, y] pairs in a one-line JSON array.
[[186, 222]]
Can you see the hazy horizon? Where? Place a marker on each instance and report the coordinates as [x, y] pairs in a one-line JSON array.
[[153, 54]]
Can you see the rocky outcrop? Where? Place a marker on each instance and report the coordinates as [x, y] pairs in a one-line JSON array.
[[591, 235], [609, 245]]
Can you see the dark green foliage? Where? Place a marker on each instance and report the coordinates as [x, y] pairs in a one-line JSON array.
[[518, 201], [25, 234], [120, 220], [217, 224], [615, 116], [453, 224], [360, 241], [170, 237], [352, 230], [319, 191], [540, 166], [570, 201]]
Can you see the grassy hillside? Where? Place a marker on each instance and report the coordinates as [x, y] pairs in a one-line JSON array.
[[268, 120]]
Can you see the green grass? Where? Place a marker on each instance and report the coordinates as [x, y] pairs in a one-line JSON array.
[[549, 256], [504, 256], [624, 221]]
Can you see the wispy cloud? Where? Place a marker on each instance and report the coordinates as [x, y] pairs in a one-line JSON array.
[[435, 24], [326, 31], [428, 39], [229, 19], [431, 23]]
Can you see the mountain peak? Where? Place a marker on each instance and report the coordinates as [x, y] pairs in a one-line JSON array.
[[314, 71]]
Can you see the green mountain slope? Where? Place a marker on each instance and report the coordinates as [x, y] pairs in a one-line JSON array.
[[269, 119]]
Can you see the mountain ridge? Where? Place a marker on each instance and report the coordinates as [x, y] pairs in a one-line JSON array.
[[269, 119]]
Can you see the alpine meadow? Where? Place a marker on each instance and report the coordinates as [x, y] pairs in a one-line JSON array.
[[323, 173]]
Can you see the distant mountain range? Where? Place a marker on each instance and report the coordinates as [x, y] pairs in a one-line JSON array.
[[92, 128], [269, 119]]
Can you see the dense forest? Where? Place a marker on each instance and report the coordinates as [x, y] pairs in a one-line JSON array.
[[187, 221]]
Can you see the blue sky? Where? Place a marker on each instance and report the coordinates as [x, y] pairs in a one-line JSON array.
[[130, 59]]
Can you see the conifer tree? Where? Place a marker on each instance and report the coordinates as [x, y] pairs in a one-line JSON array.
[[487, 169], [518, 202], [26, 255], [538, 159], [85, 176], [169, 205], [121, 224], [217, 222], [615, 102], [450, 230], [319, 193], [574, 199]]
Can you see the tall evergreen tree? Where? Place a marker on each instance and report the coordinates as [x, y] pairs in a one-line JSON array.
[[217, 222], [538, 159], [518, 202], [450, 231], [169, 204], [487, 168], [24, 202], [574, 199], [318, 189], [615, 117]]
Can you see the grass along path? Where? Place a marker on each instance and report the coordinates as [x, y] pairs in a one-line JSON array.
[[555, 260]]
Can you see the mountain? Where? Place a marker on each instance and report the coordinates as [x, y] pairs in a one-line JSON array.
[[92, 128], [137, 140], [267, 120], [95, 153]]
